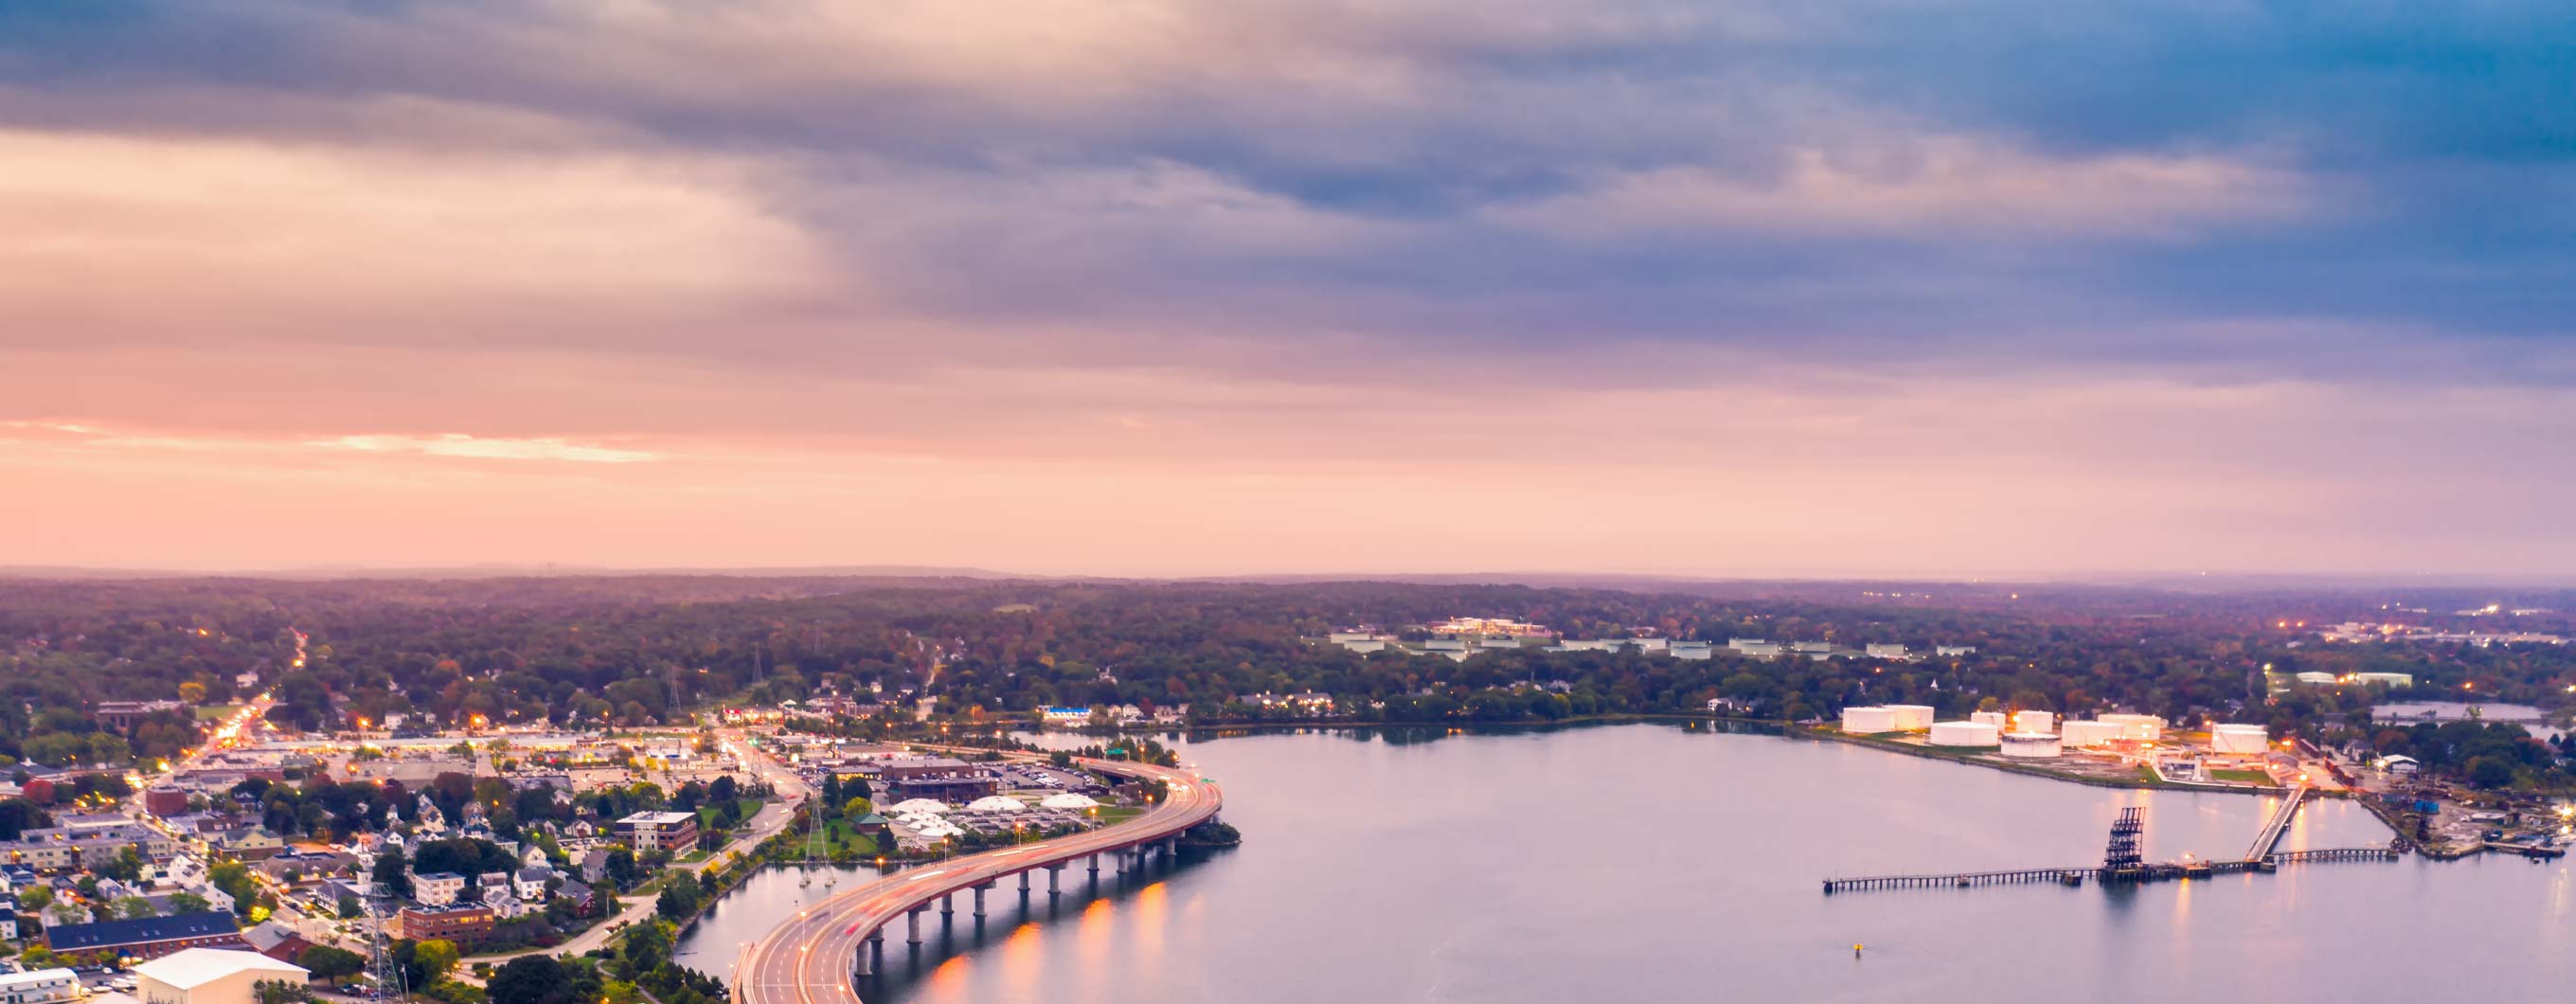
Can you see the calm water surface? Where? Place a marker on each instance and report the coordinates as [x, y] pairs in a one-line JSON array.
[[1649, 861]]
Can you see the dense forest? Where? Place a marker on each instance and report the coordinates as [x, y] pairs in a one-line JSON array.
[[645, 649]]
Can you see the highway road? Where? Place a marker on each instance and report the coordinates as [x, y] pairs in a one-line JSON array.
[[808, 959]]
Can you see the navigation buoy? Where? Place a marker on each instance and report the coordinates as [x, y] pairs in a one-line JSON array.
[[1855, 950]]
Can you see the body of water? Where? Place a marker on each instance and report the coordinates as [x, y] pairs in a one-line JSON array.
[[1637, 862]]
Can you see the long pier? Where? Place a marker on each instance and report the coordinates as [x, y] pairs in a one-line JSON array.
[[1963, 880], [2079, 875], [2270, 835]]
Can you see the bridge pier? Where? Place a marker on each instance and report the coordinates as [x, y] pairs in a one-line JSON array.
[[947, 905], [1095, 866], [912, 924], [1024, 883], [864, 968], [1122, 860], [979, 900], [1055, 875]]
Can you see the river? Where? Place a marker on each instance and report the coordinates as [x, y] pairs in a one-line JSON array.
[[1635, 862]]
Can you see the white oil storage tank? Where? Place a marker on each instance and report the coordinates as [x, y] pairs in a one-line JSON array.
[[1965, 734], [1868, 720], [2031, 745], [2147, 727], [2034, 721], [1912, 717], [1994, 718], [2078, 733], [2238, 739]]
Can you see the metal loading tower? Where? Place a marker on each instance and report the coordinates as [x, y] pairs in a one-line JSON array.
[[2121, 859]]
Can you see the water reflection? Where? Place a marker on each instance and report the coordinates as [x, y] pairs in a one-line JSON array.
[[1540, 866]]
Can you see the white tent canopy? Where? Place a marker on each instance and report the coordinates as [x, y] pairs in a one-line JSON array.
[[996, 803], [912, 805], [1069, 800]]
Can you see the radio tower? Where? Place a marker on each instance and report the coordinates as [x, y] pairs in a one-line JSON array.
[[386, 986]]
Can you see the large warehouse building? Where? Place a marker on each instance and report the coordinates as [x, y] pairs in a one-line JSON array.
[[211, 976]]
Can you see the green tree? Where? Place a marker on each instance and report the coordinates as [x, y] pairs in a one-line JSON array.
[[35, 898], [531, 979], [188, 902], [436, 957], [392, 872], [135, 908], [331, 963]]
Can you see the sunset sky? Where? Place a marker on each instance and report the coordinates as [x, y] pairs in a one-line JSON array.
[[1144, 287]]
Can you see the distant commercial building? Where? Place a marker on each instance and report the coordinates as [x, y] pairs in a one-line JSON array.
[[1755, 647], [121, 715], [1953, 651], [149, 937], [1884, 651], [44, 986], [2317, 679], [669, 831], [212, 976], [165, 801], [464, 923], [1065, 715], [2391, 679]]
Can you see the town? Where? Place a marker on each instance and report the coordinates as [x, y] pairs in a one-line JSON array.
[[272, 864]]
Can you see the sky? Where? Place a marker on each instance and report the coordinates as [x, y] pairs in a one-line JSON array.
[[1144, 287]]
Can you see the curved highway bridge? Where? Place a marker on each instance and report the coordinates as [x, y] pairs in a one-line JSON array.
[[812, 957]]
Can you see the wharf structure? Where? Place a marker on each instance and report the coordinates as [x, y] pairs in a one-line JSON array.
[[2122, 861]]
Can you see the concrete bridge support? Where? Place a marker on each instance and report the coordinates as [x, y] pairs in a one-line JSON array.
[[947, 905], [1024, 883], [865, 967], [1055, 877], [912, 924], [979, 899], [1095, 866]]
